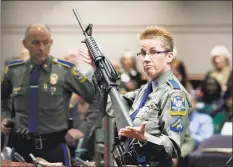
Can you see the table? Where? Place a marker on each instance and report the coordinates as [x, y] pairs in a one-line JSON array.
[[12, 163]]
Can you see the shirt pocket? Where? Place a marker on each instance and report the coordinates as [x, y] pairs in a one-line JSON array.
[[152, 119], [152, 111], [51, 96], [20, 100]]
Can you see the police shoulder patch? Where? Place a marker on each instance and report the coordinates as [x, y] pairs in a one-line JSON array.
[[63, 63], [79, 75], [178, 104], [177, 126], [15, 62]]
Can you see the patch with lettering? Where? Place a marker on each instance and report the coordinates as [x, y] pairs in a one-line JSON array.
[[177, 126], [178, 104], [79, 75]]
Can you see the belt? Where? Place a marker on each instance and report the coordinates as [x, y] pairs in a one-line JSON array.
[[42, 141]]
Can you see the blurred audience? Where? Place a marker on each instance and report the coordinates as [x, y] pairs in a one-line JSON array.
[[223, 114], [117, 66], [221, 65], [201, 125], [229, 82], [209, 97], [131, 78], [24, 55], [179, 70]]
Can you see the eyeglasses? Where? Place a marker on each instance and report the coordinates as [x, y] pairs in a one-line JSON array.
[[152, 53]]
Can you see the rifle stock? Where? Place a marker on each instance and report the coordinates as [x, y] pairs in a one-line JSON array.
[[105, 78]]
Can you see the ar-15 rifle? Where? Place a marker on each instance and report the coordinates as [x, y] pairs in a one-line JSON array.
[[105, 79]]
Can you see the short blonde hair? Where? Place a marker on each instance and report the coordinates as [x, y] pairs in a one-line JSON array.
[[154, 32]]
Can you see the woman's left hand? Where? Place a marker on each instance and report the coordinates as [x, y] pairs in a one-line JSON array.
[[138, 133]]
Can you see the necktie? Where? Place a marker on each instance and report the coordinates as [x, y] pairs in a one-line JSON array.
[[148, 90], [33, 100], [145, 96]]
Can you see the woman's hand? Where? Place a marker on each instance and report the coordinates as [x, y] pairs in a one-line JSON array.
[[86, 57], [138, 133]]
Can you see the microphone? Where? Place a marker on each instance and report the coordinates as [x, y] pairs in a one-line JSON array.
[[229, 160], [34, 160], [20, 158]]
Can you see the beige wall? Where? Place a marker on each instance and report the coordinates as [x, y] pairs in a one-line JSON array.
[[197, 26]]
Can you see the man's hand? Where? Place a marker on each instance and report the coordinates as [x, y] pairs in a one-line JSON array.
[[86, 57], [72, 136], [138, 133], [4, 128]]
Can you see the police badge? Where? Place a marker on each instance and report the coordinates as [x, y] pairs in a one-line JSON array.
[[178, 106], [53, 78]]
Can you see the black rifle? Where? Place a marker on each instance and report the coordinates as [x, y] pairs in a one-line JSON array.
[[105, 79]]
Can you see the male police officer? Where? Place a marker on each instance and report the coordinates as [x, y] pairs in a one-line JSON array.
[[41, 88]]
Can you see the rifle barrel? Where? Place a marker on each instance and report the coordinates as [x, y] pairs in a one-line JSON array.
[[79, 21]]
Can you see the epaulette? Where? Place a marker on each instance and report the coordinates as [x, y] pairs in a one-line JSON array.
[[63, 63], [15, 62], [173, 83]]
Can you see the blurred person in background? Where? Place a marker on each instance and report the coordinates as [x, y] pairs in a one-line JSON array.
[[117, 66], [229, 83], [220, 57], [24, 55], [130, 77], [201, 125], [121, 85], [223, 114], [228, 104], [210, 97], [179, 70], [80, 112], [213, 103]]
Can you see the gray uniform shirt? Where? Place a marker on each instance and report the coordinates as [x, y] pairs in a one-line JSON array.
[[166, 113], [58, 79]]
